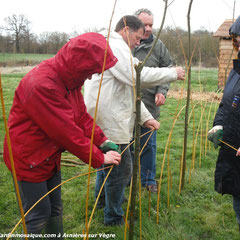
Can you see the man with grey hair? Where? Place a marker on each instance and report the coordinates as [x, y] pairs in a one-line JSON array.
[[153, 97]]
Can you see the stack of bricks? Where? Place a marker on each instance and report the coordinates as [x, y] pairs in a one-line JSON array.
[[226, 52]]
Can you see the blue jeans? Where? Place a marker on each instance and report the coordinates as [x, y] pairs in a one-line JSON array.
[[50, 207], [114, 188], [148, 158], [236, 207], [98, 184]]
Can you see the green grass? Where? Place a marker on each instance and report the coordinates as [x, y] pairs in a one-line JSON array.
[[197, 213], [205, 80], [9, 59]]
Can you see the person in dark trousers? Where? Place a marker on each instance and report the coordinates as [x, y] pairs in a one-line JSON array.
[[153, 97], [116, 108], [226, 126], [49, 116]]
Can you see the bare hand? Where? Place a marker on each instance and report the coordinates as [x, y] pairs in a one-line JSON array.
[[180, 73], [112, 157], [152, 124], [159, 99], [238, 152]]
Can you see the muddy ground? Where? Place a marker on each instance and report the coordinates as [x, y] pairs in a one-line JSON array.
[[9, 70], [196, 96]]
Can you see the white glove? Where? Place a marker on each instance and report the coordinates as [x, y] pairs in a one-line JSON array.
[[215, 135], [215, 129]]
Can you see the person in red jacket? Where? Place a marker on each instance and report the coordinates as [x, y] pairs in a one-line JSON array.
[[49, 116]]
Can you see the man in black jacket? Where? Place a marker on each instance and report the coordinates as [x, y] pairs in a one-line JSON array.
[[153, 97]]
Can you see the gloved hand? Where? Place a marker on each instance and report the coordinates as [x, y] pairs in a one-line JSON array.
[[216, 134], [109, 146]]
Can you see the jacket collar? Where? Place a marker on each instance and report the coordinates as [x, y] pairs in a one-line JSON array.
[[148, 40]]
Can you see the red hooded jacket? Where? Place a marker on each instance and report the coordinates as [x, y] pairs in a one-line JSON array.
[[49, 115]]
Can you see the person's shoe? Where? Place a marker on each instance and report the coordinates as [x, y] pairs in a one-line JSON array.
[[114, 223], [54, 227], [152, 188]]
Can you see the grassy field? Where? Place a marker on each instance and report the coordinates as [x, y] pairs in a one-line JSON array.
[[197, 213], [8, 59]]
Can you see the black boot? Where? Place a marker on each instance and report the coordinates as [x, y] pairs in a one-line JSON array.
[[34, 230], [55, 226]]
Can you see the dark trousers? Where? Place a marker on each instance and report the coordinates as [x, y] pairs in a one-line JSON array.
[[148, 158], [50, 207], [236, 207], [114, 188]]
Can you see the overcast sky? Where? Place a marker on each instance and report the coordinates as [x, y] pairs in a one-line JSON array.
[[80, 15]]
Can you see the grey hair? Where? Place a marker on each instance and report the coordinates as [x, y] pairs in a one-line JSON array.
[[143, 10]]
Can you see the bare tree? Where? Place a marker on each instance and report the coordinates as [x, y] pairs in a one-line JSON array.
[[18, 26], [51, 42], [28, 38]]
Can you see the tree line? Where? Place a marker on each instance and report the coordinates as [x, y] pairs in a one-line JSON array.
[[16, 36]]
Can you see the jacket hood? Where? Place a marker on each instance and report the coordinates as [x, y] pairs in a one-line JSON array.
[[81, 57], [235, 28]]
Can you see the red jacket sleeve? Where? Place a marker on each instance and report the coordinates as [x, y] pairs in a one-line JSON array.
[[85, 120], [55, 115]]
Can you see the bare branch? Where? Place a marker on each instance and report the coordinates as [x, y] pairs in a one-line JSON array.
[[18, 26]]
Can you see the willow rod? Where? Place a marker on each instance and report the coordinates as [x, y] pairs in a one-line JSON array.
[[163, 162], [68, 180], [94, 119], [11, 160]]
